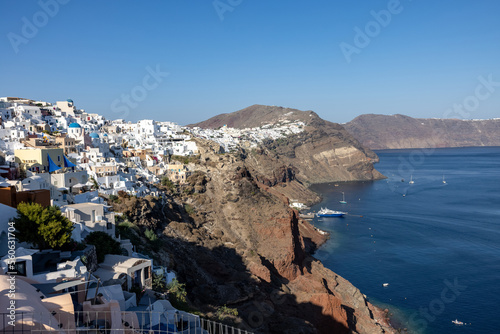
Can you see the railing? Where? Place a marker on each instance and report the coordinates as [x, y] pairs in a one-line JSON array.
[[112, 322]]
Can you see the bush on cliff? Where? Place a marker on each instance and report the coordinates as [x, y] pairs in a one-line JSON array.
[[224, 312], [165, 181], [153, 239], [177, 295]]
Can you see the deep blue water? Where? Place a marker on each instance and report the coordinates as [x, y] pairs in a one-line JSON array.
[[438, 246]]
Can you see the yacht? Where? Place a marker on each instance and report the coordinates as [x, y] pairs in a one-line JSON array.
[[324, 212]]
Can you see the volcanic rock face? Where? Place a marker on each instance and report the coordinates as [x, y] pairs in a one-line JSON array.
[[323, 152], [399, 131], [244, 247], [241, 245]]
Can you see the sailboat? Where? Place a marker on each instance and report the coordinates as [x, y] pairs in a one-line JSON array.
[[444, 180], [411, 180], [343, 199]]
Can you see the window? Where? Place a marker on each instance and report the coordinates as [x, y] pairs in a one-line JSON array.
[[58, 158], [21, 268], [109, 226]]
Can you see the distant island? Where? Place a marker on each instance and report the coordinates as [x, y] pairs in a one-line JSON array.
[[399, 132]]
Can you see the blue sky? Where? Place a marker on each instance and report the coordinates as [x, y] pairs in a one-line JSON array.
[[428, 57]]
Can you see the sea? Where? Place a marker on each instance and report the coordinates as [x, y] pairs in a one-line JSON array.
[[436, 244]]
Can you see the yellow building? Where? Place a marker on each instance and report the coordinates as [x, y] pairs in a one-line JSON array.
[[104, 169], [178, 172], [67, 144], [36, 160]]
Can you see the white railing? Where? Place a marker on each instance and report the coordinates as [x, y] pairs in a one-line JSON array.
[[112, 322]]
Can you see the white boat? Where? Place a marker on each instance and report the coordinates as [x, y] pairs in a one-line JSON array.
[[324, 212], [456, 322], [444, 180], [411, 180], [385, 284], [343, 199]]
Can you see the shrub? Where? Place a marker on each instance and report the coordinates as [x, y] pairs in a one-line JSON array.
[[151, 235], [165, 181], [177, 290], [104, 244], [159, 284], [189, 209], [224, 311]]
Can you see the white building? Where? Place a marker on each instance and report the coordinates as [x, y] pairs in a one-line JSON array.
[[88, 218], [66, 107], [45, 266]]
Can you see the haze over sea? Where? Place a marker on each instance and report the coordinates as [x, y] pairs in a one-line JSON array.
[[438, 246]]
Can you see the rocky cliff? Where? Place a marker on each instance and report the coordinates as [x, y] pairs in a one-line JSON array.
[[233, 239], [399, 131], [323, 152]]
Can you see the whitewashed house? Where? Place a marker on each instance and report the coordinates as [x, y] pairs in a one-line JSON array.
[[89, 217]]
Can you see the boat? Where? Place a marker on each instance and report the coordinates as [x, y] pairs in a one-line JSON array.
[[324, 212], [444, 180], [456, 322], [343, 199], [385, 284], [411, 180]]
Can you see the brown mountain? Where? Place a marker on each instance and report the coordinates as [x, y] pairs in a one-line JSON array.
[[399, 131], [256, 116], [323, 152]]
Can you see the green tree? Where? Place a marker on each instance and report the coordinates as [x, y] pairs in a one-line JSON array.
[[177, 290], [43, 227], [104, 244]]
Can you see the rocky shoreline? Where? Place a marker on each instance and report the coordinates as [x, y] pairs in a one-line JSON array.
[[379, 314]]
